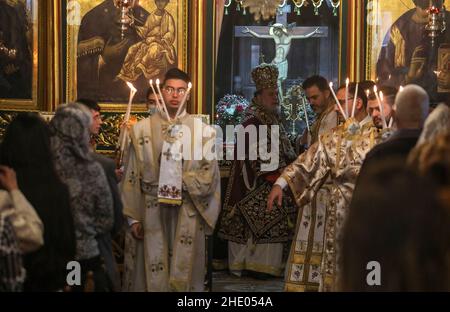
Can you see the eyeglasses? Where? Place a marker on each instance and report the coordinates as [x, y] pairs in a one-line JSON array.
[[342, 102], [180, 91]]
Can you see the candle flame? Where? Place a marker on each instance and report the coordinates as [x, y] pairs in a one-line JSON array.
[[130, 85], [367, 92], [375, 89], [331, 84], [381, 95], [347, 81], [190, 85], [157, 81]]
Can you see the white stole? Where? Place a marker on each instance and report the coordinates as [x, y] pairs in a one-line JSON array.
[[170, 173]]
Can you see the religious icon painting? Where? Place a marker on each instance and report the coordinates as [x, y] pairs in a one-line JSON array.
[[112, 42], [405, 40], [20, 54]]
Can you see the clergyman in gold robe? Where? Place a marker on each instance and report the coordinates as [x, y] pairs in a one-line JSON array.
[[322, 181]]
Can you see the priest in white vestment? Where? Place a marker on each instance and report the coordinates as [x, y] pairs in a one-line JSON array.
[[171, 197]]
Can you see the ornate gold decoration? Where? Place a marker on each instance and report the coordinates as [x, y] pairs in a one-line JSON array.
[[5, 119], [298, 5], [262, 8], [335, 4], [265, 76], [110, 130], [399, 43], [317, 4]]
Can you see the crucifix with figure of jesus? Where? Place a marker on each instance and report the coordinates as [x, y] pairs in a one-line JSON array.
[[282, 34]]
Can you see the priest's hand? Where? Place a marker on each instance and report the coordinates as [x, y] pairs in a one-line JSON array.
[[276, 194], [8, 178], [137, 231]]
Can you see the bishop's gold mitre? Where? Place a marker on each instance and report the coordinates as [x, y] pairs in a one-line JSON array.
[[265, 76]]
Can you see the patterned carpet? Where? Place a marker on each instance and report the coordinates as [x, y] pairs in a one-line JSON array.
[[225, 282]]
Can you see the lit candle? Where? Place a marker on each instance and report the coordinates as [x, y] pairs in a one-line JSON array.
[[347, 82], [368, 95], [355, 97], [380, 106], [162, 99], [158, 103], [124, 131], [183, 101], [306, 116], [133, 91], [382, 110], [337, 101]]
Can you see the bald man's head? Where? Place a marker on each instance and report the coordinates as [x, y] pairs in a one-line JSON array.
[[412, 106]]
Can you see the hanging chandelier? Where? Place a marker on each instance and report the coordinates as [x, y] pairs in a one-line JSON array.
[[267, 9]]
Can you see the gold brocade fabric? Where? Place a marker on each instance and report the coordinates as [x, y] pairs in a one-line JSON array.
[[322, 181], [399, 44], [326, 120]]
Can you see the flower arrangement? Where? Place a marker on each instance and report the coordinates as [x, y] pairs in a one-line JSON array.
[[230, 110]]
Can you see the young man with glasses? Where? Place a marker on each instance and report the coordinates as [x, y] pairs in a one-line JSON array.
[[171, 202]]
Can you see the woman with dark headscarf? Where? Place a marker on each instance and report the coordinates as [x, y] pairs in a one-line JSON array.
[[90, 197], [26, 149]]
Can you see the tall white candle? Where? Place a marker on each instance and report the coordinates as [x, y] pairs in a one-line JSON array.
[[380, 106], [337, 101], [124, 131], [391, 122], [306, 116], [133, 91], [183, 101], [382, 110], [158, 103], [347, 82], [355, 97]]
